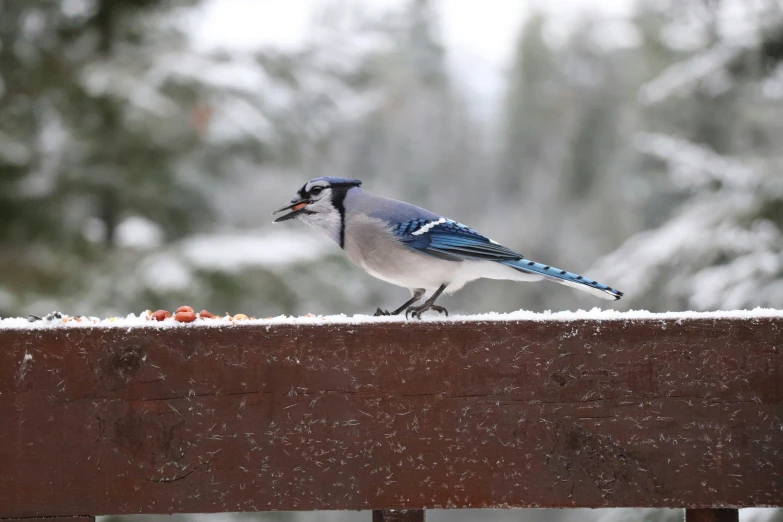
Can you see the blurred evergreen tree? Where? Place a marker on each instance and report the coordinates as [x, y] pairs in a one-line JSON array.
[[709, 151], [563, 172], [530, 109], [110, 120], [98, 140], [419, 142], [88, 137]]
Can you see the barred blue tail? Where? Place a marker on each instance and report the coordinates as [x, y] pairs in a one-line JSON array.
[[565, 278]]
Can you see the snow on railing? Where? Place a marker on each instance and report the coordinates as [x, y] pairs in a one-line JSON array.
[[596, 314], [568, 409]]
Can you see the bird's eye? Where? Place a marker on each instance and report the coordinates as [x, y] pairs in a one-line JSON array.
[[316, 190]]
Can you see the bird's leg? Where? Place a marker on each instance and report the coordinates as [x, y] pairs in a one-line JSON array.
[[429, 304], [416, 296]]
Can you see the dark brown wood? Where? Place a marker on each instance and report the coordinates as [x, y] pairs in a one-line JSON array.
[[712, 515], [50, 519], [656, 413], [398, 515]]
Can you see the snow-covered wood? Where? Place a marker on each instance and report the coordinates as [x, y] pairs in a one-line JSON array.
[[593, 409], [596, 314]]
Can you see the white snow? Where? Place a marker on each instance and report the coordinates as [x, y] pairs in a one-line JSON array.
[[13, 151], [680, 77], [165, 271], [596, 314], [240, 251], [139, 233], [716, 250], [174, 269], [758, 515], [6, 299], [695, 166], [772, 86], [93, 229]]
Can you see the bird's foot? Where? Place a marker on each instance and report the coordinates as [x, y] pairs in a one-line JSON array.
[[416, 311], [379, 313]]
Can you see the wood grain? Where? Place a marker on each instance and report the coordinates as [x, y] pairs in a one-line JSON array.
[[653, 413], [50, 519]]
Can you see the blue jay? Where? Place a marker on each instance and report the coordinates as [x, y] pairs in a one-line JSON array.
[[408, 246]]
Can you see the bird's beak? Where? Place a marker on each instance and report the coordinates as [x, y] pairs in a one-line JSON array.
[[296, 207]]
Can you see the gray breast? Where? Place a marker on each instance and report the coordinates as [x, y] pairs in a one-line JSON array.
[[369, 242]]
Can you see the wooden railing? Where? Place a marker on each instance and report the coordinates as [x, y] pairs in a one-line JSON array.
[[392, 416]]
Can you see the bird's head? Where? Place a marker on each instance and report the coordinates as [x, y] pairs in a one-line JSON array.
[[319, 202]]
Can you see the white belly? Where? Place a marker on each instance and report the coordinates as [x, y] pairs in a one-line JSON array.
[[385, 258], [411, 271]]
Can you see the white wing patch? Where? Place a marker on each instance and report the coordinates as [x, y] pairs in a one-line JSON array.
[[426, 228]]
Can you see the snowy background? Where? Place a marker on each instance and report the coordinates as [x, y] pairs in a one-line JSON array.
[[144, 143]]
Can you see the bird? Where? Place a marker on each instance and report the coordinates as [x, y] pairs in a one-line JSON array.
[[409, 246]]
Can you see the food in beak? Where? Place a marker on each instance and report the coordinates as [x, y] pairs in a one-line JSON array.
[[295, 209]]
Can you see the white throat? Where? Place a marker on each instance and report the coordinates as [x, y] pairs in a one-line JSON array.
[[330, 223]]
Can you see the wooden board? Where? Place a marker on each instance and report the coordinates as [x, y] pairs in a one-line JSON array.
[[50, 519], [392, 416]]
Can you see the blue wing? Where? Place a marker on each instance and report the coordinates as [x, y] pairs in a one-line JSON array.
[[447, 239], [452, 241]]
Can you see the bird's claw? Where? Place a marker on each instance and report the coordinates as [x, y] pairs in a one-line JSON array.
[[440, 310], [416, 311], [380, 312]]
